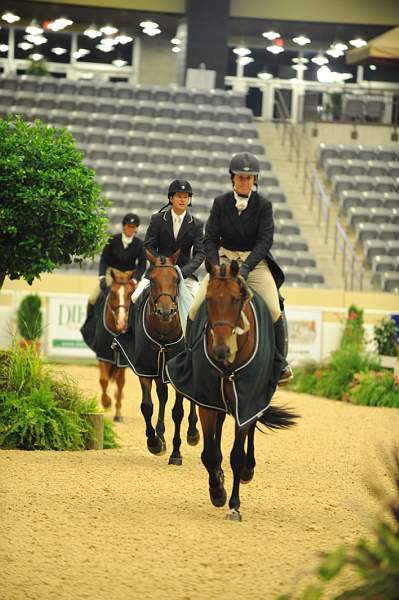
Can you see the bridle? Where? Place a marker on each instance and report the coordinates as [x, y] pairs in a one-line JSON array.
[[114, 310], [154, 301], [221, 322]]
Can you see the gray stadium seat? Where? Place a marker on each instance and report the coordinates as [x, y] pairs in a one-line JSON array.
[[349, 199], [100, 120], [374, 108], [143, 92], [247, 130], [358, 215], [60, 118], [118, 152], [373, 248], [97, 152], [124, 168], [168, 110], [86, 104], [126, 107], [96, 135], [335, 166], [146, 108], [161, 93], [392, 247], [109, 183], [387, 153], [27, 83], [269, 179], [131, 184], [49, 85], [184, 126], [218, 97], [79, 133], [384, 262], [385, 184], [296, 242], [255, 146], [293, 274], [279, 242], [305, 259], [367, 152], [274, 194], [220, 159], [342, 182], [181, 95], [364, 183], [86, 88], [66, 102], [106, 90], [390, 200], [151, 186], [217, 143], [206, 128], [376, 168], [141, 123], [105, 167], [357, 167], [27, 99], [287, 227], [284, 257], [235, 99], [10, 82], [117, 137], [105, 105], [67, 87], [353, 108], [201, 158], [326, 151], [282, 211], [388, 231], [390, 282], [312, 276], [381, 215], [206, 112], [124, 91], [372, 199], [139, 154], [366, 231], [393, 168], [80, 119]]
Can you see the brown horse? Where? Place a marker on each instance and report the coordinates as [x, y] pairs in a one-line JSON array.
[[163, 326], [230, 342], [116, 319]]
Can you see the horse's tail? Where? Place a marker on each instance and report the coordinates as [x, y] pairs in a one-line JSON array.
[[278, 417]]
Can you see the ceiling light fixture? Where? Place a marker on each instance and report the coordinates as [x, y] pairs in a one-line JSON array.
[[301, 40], [372, 68], [3, 47], [149, 25], [275, 49], [37, 40], [334, 52], [59, 51], [176, 49], [244, 60], [33, 28], [320, 60], [10, 17], [340, 46], [299, 68], [151, 31], [271, 35], [81, 52], [118, 62], [36, 56], [242, 51], [300, 60], [358, 43], [105, 48], [324, 74], [25, 46], [109, 41], [109, 30], [175, 41], [123, 38], [59, 24], [92, 32], [265, 75]]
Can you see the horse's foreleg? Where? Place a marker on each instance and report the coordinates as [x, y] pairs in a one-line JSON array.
[[247, 472], [120, 382], [192, 432], [104, 380], [162, 393], [154, 444], [221, 416], [237, 461], [177, 416], [210, 457]]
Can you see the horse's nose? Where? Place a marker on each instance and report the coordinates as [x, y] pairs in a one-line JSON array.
[[165, 314], [222, 352]]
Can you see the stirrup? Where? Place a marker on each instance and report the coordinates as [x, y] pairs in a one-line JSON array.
[[285, 376]]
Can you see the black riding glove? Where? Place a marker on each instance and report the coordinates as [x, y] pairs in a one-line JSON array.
[[103, 284], [244, 271]]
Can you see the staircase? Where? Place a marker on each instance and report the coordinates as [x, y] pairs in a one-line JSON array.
[[291, 177]]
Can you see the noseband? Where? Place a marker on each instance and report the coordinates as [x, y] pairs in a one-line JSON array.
[[220, 323]]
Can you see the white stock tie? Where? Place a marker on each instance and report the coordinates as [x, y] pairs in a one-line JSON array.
[[176, 225]]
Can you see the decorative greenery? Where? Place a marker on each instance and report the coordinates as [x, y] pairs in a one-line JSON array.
[[376, 563], [375, 388], [385, 336], [29, 317], [51, 211], [40, 411], [353, 334], [37, 67]]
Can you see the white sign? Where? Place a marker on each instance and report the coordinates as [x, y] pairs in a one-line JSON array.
[[304, 335], [65, 316]]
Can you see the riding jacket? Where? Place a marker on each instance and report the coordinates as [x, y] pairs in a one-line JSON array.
[[117, 256], [252, 231], [160, 240]]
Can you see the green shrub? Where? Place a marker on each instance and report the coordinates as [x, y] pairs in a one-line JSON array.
[[29, 317], [385, 335], [375, 389], [353, 334], [40, 410]]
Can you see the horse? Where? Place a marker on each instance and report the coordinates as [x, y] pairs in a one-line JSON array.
[[227, 344], [115, 319], [158, 334]]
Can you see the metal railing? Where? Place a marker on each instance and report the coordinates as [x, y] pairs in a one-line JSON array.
[[290, 133], [350, 263], [317, 195]]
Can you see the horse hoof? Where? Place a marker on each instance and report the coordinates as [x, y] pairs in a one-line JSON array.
[[156, 446], [192, 440], [106, 403], [175, 460], [234, 515], [118, 419], [247, 475], [218, 496]]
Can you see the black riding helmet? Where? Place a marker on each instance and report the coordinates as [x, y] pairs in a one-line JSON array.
[[179, 185], [244, 162]]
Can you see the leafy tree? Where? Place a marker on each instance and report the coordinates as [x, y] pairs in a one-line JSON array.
[[51, 211]]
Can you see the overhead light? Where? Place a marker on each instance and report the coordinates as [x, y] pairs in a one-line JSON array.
[[299, 68], [109, 41], [271, 35], [339, 46], [36, 56], [118, 62], [265, 75], [301, 40], [105, 48], [334, 52], [275, 49], [3, 48], [25, 45], [37, 40], [149, 25], [343, 76], [109, 30], [324, 74], [80, 53], [320, 60], [175, 41], [151, 31], [92, 32], [300, 60], [176, 49], [123, 38], [358, 43], [372, 67], [59, 51], [33, 28], [242, 51], [59, 24], [10, 17], [244, 60]]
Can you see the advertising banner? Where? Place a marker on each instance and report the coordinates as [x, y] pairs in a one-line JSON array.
[[305, 335], [65, 316]]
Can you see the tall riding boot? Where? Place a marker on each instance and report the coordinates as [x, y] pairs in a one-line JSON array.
[[279, 331]]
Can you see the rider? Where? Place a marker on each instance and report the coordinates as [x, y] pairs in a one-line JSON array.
[[241, 227], [175, 227], [123, 251]]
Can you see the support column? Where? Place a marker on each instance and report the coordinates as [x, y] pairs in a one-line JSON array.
[[207, 25]]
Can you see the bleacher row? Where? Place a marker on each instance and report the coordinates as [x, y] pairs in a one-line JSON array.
[[369, 202], [139, 138], [364, 107]]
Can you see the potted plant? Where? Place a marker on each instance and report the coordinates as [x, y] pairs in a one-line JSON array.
[[385, 337], [29, 321]]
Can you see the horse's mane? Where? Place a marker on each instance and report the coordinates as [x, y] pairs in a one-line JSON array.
[[222, 270]]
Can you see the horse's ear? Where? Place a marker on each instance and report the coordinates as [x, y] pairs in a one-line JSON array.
[[151, 257], [234, 268], [174, 257], [130, 274]]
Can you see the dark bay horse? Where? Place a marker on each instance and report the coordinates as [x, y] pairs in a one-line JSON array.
[[230, 343], [158, 323], [115, 319]]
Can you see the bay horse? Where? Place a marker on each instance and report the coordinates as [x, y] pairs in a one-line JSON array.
[[228, 341], [115, 319], [158, 335]]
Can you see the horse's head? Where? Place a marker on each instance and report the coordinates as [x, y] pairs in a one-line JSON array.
[[226, 296], [122, 287], [163, 285]]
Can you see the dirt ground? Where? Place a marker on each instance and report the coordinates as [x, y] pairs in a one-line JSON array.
[[123, 524]]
